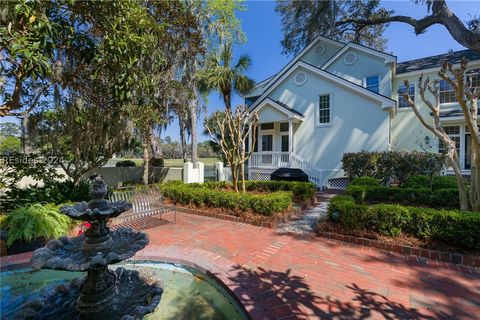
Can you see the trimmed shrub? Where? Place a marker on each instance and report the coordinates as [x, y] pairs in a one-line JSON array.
[[421, 196], [461, 228], [365, 181], [126, 163], [390, 166], [211, 195], [300, 190], [35, 221], [156, 162], [438, 182]]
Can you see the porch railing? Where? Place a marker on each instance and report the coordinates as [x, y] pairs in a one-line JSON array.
[[270, 159]]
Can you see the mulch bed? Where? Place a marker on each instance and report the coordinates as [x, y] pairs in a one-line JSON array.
[[403, 240]]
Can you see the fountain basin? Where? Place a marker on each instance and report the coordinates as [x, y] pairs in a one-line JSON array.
[[69, 254], [188, 293]]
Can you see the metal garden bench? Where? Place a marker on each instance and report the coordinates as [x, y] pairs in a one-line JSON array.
[[147, 208]]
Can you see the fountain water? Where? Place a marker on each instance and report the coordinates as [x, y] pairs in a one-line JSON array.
[[103, 293]]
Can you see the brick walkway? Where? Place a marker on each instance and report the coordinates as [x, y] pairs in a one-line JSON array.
[[278, 276]]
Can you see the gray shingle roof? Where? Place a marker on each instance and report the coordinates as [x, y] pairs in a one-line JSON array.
[[289, 108], [436, 61]]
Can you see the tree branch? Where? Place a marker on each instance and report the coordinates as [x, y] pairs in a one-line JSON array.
[[441, 14]]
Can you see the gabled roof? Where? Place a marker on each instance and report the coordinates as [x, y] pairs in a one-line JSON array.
[[385, 101], [387, 57], [280, 106], [267, 82], [436, 61]]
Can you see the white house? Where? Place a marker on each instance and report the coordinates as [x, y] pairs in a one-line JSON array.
[[336, 97]]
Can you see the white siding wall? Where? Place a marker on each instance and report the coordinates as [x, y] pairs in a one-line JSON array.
[[407, 132], [365, 66], [358, 123]]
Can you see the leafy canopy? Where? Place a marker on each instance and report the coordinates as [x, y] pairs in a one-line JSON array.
[[302, 21]]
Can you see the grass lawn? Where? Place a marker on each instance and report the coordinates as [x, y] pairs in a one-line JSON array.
[[177, 162]]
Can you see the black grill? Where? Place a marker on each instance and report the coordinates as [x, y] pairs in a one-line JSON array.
[[289, 174]]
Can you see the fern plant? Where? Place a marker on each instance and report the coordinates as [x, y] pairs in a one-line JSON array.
[[35, 221]]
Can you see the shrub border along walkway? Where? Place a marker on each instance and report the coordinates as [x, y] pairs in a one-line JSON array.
[[419, 254], [271, 224]]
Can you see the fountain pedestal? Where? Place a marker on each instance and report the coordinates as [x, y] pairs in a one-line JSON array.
[[103, 294]]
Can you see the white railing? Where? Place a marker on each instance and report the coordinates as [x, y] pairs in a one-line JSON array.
[[314, 175], [274, 160], [269, 159]]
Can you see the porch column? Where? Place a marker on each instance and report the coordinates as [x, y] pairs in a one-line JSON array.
[[250, 146], [290, 141]]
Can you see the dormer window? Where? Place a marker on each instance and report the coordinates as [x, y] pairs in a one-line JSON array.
[[372, 83]]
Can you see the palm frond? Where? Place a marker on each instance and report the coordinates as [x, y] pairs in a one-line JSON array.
[[243, 84], [244, 63]]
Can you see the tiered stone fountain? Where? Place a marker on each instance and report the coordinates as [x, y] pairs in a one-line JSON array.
[[103, 294]]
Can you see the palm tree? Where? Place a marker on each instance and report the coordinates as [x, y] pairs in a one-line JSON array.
[[219, 75]]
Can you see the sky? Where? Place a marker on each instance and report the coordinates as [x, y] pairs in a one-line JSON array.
[[262, 26]]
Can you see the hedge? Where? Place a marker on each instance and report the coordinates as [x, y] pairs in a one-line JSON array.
[[417, 196], [437, 182], [389, 166], [125, 163], [460, 228], [300, 190], [212, 195]]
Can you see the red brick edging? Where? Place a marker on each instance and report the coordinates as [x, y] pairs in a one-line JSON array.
[[448, 257]]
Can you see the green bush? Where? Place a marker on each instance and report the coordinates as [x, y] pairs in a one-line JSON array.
[[390, 166], [438, 182], [156, 162], [126, 163], [460, 228], [210, 194], [35, 221], [300, 190], [418, 196], [52, 192], [365, 181]]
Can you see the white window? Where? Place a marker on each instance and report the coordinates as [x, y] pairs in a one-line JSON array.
[[324, 109], [373, 83], [454, 133], [473, 78], [402, 102], [447, 94]]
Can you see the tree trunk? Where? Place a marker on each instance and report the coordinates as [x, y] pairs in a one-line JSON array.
[[155, 148], [227, 100], [475, 178], [234, 169], [146, 165], [242, 173], [462, 191], [193, 119], [183, 141]]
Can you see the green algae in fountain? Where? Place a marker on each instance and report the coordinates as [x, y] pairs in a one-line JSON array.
[[188, 293]]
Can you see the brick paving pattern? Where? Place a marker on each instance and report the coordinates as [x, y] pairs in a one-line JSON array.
[[299, 276], [289, 276]]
